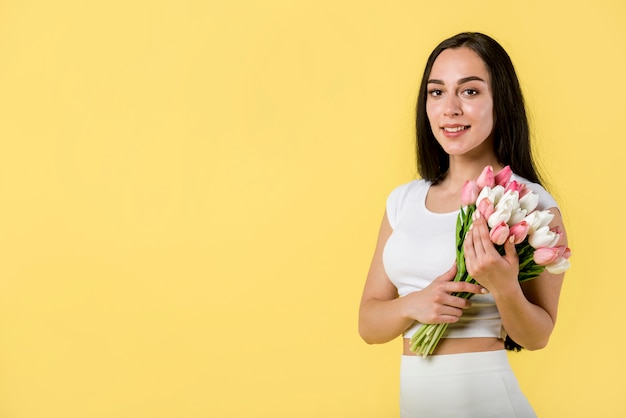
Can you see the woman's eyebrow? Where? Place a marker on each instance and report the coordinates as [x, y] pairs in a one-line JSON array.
[[470, 78], [461, 80]]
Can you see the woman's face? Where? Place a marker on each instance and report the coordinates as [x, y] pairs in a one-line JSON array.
[[459, 103]]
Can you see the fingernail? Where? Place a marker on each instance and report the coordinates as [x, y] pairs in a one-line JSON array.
[[471, 226], [484, 291]]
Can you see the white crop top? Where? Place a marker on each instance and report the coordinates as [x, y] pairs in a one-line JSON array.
[[422, 247]]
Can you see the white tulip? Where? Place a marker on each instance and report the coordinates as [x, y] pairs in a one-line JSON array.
[[529, 201], [544, 237], [497, 192], [559, 266], [484, 194], [538, 219], [517, 216], [509, 201], [500, 215]]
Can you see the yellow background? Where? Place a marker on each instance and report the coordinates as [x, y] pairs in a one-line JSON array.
[[190, 192]]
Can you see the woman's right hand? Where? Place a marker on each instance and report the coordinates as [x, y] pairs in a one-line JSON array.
[[435, 304], [384, 316]]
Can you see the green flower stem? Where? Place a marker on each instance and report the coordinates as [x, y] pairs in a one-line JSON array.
[[426, 338]]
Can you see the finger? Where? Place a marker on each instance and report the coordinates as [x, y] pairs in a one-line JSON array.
[[468, 247], [510, 253], [446, 319], [480, 231], [465, 287], [447, 304], [451, 311]]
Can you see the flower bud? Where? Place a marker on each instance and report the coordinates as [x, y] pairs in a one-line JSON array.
[[469, 193], [524, 190], [496, 192], [519, 231], [499, 234], [508, 201], [500, 215], [559, 266], [546, 255], [493, 194], [514, 185], [486, 178], [529, 201], [503, 177], [517, 216], [544, 237], [538, 219]]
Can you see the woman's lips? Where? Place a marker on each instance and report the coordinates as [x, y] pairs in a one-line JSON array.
[[455, 131]]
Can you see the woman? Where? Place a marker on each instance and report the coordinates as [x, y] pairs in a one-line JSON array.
[[470, 114]]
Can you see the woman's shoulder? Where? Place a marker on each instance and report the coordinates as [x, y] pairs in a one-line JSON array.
[[409, 191], [403, 195], [411, 186], [546, 200]]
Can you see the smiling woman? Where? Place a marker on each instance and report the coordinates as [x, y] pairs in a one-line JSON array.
[[459, 103], [470, 114]]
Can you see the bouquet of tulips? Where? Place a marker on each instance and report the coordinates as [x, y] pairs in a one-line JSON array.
[[509, 208]]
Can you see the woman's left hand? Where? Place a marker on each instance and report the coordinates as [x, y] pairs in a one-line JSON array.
[[491, 270]]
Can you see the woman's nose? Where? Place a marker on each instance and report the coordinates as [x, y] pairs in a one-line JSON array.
[[453, 106]]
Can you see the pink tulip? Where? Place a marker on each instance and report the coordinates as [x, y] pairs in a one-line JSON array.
[[486, 208], [519, 231], [486, 178], [499, 234], [544, 255], [567, 253], [548, 255], [523, 190], [469, 193], [561, 264], [503, 177], [514, 186]]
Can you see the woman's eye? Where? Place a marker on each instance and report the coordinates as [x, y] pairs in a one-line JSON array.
[[470, 92], [435, 93]]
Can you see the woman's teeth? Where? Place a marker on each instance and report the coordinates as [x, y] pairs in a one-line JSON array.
[[456, 129]]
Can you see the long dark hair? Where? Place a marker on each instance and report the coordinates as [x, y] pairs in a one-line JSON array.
[[511, 132]]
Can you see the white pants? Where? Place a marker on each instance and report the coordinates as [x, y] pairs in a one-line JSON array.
[[469, 385]]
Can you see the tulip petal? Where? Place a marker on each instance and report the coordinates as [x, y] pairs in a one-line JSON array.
[[469, 193], [486, 178], [499, 234], [544, 255], [519, 231], [503, 177], [500, 215], [559, 266], [529, 201]]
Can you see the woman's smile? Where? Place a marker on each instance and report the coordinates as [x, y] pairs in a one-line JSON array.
[[455, 131], [459, 103]]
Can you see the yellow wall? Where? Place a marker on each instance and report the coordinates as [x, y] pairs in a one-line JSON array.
[[190, 192]]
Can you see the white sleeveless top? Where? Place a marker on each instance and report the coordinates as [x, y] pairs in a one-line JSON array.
[[422, 247]]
